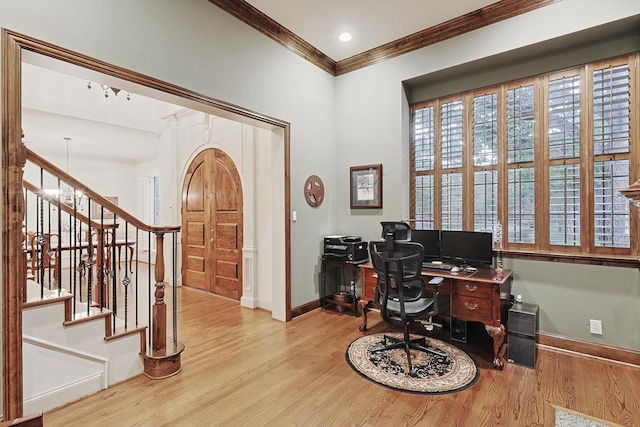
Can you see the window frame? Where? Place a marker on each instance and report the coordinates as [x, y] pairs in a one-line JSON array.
[[542, 248]]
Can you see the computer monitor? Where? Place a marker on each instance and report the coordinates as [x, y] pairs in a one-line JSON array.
[[467, 247], [430, 241]]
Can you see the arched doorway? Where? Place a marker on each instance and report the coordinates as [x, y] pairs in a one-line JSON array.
[[212, 225]]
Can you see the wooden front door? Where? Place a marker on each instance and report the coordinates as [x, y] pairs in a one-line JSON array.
[[212, 225]]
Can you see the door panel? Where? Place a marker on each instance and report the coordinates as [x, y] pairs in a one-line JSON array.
[[194, 219], [195, 190], [212, 225], [227, 236], [195, 233], [227, 270], [228, 214], [196, 263]]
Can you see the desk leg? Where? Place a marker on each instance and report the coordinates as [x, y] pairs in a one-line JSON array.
[[363, 310], [131, 247], [352, 286], [497, 333], [323, 294]]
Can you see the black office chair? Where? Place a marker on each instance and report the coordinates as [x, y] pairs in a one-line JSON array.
[[400, 231], [401, 292]]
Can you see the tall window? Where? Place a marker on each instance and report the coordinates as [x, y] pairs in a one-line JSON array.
[[520, 155], [451, 133], [564, 160], [452, 143], [485, 159], [611, 137], [423, 163], [148, 205], [544, 157]]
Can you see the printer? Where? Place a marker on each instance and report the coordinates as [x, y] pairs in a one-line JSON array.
[[345, 248]]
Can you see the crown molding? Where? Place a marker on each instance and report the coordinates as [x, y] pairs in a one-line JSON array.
[[267, 26], [488, 15]]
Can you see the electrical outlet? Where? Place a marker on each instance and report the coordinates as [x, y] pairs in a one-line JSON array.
[[595, 326]]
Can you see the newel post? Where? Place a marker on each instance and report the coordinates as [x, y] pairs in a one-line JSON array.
[[159, 333], [161, 360]]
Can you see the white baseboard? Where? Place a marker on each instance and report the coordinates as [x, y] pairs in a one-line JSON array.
[[53, 393], [249, 302], [62, 395]]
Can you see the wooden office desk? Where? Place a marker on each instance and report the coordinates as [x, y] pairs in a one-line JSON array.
[[474, 296]]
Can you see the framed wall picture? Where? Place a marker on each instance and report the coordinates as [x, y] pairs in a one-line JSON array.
[[366, 187], [96, 211]]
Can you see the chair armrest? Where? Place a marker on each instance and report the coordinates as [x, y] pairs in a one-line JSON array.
[[436, 281], [440, 305]]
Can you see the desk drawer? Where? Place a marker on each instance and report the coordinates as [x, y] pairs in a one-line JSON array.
[[467, 307], [369, 282], [473, 288]]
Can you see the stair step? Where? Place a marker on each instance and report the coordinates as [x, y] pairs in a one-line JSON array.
[[90, 335], [122, 332], [36, 301]]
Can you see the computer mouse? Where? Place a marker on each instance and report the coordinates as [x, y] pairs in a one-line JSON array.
[[455, 269]]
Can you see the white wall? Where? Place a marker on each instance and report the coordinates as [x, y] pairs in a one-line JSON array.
[[99, 175]]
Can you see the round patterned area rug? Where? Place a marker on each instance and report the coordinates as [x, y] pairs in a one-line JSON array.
[[436, 374]]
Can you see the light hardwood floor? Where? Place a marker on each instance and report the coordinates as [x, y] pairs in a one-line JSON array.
[[241, 368]]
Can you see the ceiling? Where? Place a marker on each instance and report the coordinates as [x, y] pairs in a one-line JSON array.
[[60, 112], [372, 23]]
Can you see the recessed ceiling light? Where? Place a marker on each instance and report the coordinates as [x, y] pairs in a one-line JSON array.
[[344, 37]]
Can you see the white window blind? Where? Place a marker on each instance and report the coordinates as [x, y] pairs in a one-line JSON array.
[[521, 221], [611, 110], [564, 118], [485, 196], [452, 201], [451, 131], [611, 209], [564, 205], [520, 124], [424, 134], [424, 209], [485, 130]]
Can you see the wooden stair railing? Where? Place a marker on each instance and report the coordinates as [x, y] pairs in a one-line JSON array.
[[162, 358], [31, 238]]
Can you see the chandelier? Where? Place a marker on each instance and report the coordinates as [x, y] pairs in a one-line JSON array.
[[106, 90], [68, 195]]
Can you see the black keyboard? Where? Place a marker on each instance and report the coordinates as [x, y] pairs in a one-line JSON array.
[[434, 266]]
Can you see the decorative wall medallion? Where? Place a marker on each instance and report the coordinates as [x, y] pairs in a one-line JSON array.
[[314, 191]]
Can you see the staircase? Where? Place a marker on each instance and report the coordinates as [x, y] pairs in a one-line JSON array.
[[71, 355], [91, 317]]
